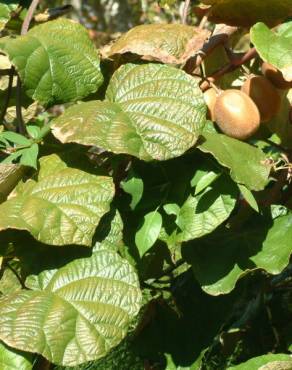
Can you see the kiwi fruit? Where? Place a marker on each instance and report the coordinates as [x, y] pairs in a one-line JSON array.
[[264, 95], [275, 76], [236, 114], [210, 97]]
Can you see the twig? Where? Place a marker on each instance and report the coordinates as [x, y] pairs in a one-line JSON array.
[[170, 269], [220, 36], [24, 28], [203, 22], [185, 11], [21, 126], [275, 193], [28, 17], [274, 330], [53, 13], [17, 275], [42, 364], [8, 95], [232, 66], [270, 142], [5, 72]]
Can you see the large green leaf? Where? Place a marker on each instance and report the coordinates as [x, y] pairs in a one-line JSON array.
[[62, 207], [152, 112], [166, 43], [245, 13], [14, 360], [202, 214], [74, 314], [277, 361], [56, 61], [220, 260], [5, 11], [275, 47], [248, 165]]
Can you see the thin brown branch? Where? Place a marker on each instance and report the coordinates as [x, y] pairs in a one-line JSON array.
[[29, 16], [5, 72], [8, 95], [16, 274], [220, 36], [24, 28], [21, 126], [53, 13], [185, 11], [274, 195], [232, 66], [42, 364], [170, 269], [203, 22]]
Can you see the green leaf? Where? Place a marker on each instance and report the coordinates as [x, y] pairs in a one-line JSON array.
[[12, 157], [152, 112], [275, 47], [202, 214], [5, 12], [11, 359], [248, 165], [10, 174], [62, 207], [147, 235], [165, 43], [245, 13], [248, 196], [110, 238], [56, 62], [9, 282], [33, 131], [281, 124], [277, 361], [74, 314], [15, 138], [133, 186], [205, 174], [30, 156], [206, 181], [220, 260], [170, 365], [172, 209]]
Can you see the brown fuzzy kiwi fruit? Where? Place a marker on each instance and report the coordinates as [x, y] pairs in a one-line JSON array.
[[236, 114], [264, 94], [210, 97], [275, 76]]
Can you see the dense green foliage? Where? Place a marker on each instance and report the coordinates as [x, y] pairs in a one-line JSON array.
[[134, 234]]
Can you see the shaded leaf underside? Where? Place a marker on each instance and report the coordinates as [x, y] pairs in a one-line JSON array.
[[166, 43], [245, 13], [220, 260]]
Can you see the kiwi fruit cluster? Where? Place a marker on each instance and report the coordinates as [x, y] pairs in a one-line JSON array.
[[239, 113]]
